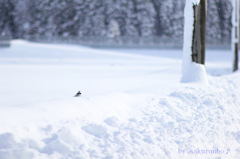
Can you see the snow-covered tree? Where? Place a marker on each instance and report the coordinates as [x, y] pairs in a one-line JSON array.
[[139, 19], [91, 17], [113, 29], [7, 18], [219, 21], [173, 18]]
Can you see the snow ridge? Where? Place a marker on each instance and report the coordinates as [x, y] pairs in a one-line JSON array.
[[189, 118]]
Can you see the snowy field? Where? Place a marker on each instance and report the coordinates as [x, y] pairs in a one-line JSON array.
[[132, 105]]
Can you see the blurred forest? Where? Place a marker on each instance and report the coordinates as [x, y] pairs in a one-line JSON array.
[[108, 18]]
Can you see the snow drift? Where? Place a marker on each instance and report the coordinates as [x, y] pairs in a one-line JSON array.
[[131, 106]]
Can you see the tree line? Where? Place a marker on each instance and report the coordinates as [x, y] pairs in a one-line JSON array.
[[162, 18]]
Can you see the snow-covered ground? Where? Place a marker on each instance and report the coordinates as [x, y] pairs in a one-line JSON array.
[[132, 105]]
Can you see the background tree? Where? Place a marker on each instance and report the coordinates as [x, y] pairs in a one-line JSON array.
[[219, 21], [7, 24]]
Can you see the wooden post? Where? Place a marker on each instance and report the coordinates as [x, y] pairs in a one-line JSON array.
[[199, 32], [235, 33]]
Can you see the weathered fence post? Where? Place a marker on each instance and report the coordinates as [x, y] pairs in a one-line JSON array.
[[235, 33], [193, 69], [199, 32]]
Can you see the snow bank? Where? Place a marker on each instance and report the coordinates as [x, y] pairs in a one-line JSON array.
[[131, 107], [189, 118], [190, 72], [196, 73]]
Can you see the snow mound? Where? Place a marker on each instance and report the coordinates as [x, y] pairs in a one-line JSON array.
[[131, 107], [189, 118], [195, 73]]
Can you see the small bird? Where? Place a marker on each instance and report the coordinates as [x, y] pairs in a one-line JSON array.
[[78, 94]]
